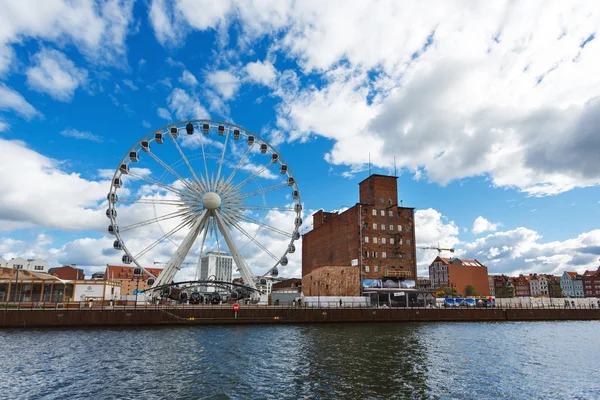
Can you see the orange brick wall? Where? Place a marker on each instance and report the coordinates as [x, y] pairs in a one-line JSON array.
[[333, 281], [461, 275]]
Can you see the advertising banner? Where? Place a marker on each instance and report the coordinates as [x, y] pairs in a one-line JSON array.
[[371, 283], [389, 283]]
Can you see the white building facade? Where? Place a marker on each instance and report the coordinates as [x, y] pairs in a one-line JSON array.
[[538, 286], [571, 284], [35, 265], [3, 263], [218, 266]]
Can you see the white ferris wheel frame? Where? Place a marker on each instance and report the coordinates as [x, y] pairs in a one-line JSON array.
[[197, 202]]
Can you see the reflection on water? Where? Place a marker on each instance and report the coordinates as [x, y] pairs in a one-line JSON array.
[[349, 361]]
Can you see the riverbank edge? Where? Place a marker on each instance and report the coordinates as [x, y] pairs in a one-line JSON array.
[[226, 316]]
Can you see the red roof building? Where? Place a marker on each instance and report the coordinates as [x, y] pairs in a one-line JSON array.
[[522, 286], [129, 281], [458, 274], [68, 273], [591, 283]]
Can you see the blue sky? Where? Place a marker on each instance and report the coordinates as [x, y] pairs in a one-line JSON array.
[[490, 113]]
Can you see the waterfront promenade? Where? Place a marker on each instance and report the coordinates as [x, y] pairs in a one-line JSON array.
[[161, 315]]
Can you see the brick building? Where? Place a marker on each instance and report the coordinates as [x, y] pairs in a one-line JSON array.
[[373, 241], [591, 283], [522, 286], [457, 274], [129, 281], [68, 272]]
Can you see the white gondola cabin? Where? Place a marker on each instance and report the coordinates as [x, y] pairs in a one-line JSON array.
[[283, 169], [298, 208], [111, 213], [151, 281], [274, 157], [250, 140], [113, 229], [291, 181], [117, 245], [291, 248], [174, 132], [145, 145], [112, 198], [206, 129], [158, 138], [126, 259], [221, 130], [137, 271], [296, 235], [236, 134], [124, 168], [117, 182], [274, 272], [298, 221], [263, 148], [133, 156], [283, 261]]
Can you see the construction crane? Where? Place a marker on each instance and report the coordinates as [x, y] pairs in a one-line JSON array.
[[438, 248]]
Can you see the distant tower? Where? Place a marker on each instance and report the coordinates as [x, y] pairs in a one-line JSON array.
[[218, 266]]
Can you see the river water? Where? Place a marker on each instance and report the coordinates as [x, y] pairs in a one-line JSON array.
[[505, 360]]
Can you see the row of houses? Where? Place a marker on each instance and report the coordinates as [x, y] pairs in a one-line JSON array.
[[570, 284]]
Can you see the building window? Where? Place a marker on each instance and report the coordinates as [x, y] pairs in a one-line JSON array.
[[39, 268], [407, 241], [383, 213], [374, 239], [366, 254], [366, 239], [383, 254], [374, 212], [374, 254], [383, 227], [399, 241], [375, 269], [399, 228], [367, 268], [382, 240], [391, 240], [407, 228], [374, 226]]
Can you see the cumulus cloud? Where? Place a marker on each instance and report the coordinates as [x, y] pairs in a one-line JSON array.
[[98, 30], [164, 113], [74, 133], [261, 72], [12, 100], [224, 83], [476, 93], [185, 106], [188, 79], [129, 83], [53, 73], [481, 225], [69, 202]]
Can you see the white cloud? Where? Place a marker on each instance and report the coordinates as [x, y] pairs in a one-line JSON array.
[[146, 124], [481, 225], [69, 202], [53, 73], [480, 92], [224, 83], [3, 126], [261, 72], [12, 100], [74, 133], [129, 83], [164, 113], [187, 78], [432, 229], [185, 106], [98, 30]]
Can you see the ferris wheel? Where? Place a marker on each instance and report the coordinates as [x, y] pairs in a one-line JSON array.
[[203, 185]]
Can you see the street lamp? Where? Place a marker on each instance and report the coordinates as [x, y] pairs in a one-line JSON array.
[[17, 299]]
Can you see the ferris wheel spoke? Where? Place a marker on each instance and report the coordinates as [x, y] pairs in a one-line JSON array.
[[249, 236], [204, 232], [172, 171], [251, 207], [209, 188], [162, 239], [243, 196], [165, 217], [184, 158], [245, 218], [239, 164], [141, 200], [241, 264], [174, 265], [249, 178], [222, 157], [160, 184]]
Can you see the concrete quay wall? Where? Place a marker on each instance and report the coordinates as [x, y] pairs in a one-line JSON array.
[[259, 315]]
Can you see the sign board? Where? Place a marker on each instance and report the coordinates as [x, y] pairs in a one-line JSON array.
[[236, 307], [396, 294], [355, 262]]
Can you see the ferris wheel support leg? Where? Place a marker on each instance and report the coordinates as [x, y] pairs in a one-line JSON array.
[[235, 253], [174, 264]]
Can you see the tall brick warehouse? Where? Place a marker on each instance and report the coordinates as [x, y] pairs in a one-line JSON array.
[[375, 239]]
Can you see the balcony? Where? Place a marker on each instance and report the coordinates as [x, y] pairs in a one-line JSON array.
[[399, 274]]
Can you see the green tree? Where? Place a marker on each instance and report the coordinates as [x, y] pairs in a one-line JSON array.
[[449, 291], [554, 289], [470, 290]]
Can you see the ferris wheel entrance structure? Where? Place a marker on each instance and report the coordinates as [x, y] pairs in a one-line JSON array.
[[201, 185]]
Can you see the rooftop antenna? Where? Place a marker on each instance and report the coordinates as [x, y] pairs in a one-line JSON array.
[[395, 174], [369, 164]]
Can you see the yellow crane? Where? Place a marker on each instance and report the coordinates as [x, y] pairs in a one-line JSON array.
[[438, 248]]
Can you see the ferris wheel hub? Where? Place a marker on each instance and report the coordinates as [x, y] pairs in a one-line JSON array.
[[211, 201]]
